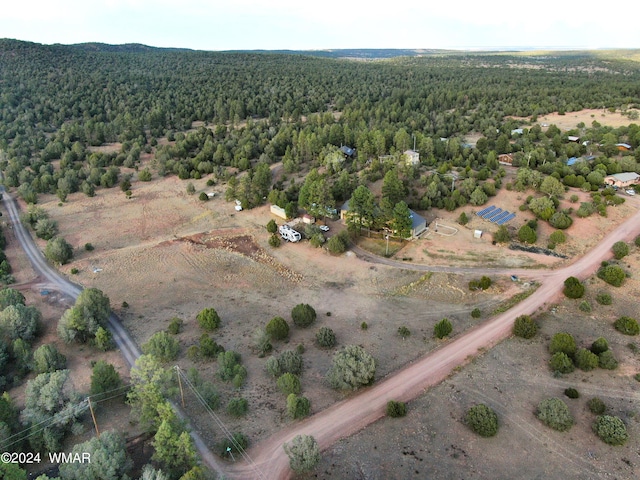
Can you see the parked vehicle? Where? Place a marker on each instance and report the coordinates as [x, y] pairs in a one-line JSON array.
[[289, 234], [631, 191], [324, 228]]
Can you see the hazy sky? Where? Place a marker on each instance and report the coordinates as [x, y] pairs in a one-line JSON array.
[[304, 25]]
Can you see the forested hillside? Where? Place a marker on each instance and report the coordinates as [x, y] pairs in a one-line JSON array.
[[56, 101]]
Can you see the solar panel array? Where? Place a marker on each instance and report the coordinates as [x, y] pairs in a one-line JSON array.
[[496, 215]]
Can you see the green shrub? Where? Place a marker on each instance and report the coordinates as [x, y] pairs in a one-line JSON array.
[[611, 430], [620, 250], [585, 307], [599, 345], [560, 220], [463, 219], [274, 241], [162, 346], [237, 444], [364, 326], [604, 298], [482, 420], [502, 235], [571, 393], [303, 315], [612, 274], [596, 406], [404, 332], [637, 241], [607, 361], [208, 319], [58, 250], [203, 197], [237, 407], [278, 328], [175, 326], [272, 226], [554, 413], [228, 363], [288, 361], [527, 235], [396, 409], [525, 327], [88, 247], [561, 363], [476, 313], [585, 359], [627, 325], [563, 342], [326, 337], [298, 407], [443, 328], [288, 383], [573, 288], [208, 347], [74, 271], [558, 237]]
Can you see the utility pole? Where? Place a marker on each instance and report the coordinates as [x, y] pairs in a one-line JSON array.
[[95, 424]]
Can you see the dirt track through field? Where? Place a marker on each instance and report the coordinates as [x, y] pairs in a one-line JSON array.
[[350, 416]]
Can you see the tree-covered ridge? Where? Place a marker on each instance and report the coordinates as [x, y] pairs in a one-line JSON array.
[[57, 101]]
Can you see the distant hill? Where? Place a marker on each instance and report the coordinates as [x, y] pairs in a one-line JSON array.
[[361, 53], [124, 48]]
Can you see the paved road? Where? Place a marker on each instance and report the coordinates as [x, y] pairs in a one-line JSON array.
[[53, 280], [350, 416]]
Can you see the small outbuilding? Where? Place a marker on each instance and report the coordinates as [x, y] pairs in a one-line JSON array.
[[278, 211]]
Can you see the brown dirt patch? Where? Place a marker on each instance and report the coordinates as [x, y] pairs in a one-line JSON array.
[[570, 120]]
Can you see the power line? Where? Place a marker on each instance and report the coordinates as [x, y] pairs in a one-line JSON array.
[[220, 424]]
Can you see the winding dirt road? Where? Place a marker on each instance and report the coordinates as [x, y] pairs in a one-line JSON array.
[[345, 418]]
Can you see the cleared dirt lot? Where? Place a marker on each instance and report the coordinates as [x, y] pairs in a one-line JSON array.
[[167, 254]]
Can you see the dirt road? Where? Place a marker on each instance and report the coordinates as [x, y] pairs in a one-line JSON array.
[[350, 416]]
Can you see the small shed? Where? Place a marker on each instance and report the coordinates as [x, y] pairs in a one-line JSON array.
[[411, 157], [573, 138], [278, 211], [306, 218], [418, 224], [505, 159], [477, 234]]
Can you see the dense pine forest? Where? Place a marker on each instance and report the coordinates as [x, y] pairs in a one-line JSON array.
[[58, 101]]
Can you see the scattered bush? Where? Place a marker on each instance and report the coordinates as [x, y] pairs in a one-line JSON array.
[[287, 362], [274, 241], [611, 430], [404, 332], [396, 409], [620, 250], [47, 359], [228, 446], [585, 307], [596, 406], [298, 407], [482, 284], [573, 288], [476, 313], [560, 220], [303, 315], [338, 243], [288, 383], [627, 325], [561, 363], [558, 237], [637, 241], [326, 337], [482, 420], [599, 345], [604, 298], [203, 197], [272, 227], [351, 368], [612, 274], [585, 359], [237, 407], [208, 319], [527, 235], [303, 452], [278, 328], [571, 393], [228, 364], [525, 327], [162, 346], [58, 250], [364, 326], [502, 235], [607, 361], [563, 342], [208, 348], [175, 326], [261, 342], [554, 413], [443, 328], [103, 340]]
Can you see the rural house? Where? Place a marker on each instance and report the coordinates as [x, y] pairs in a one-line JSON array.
[[622, 180], [418, 222], [505, 159], [411, 157]]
